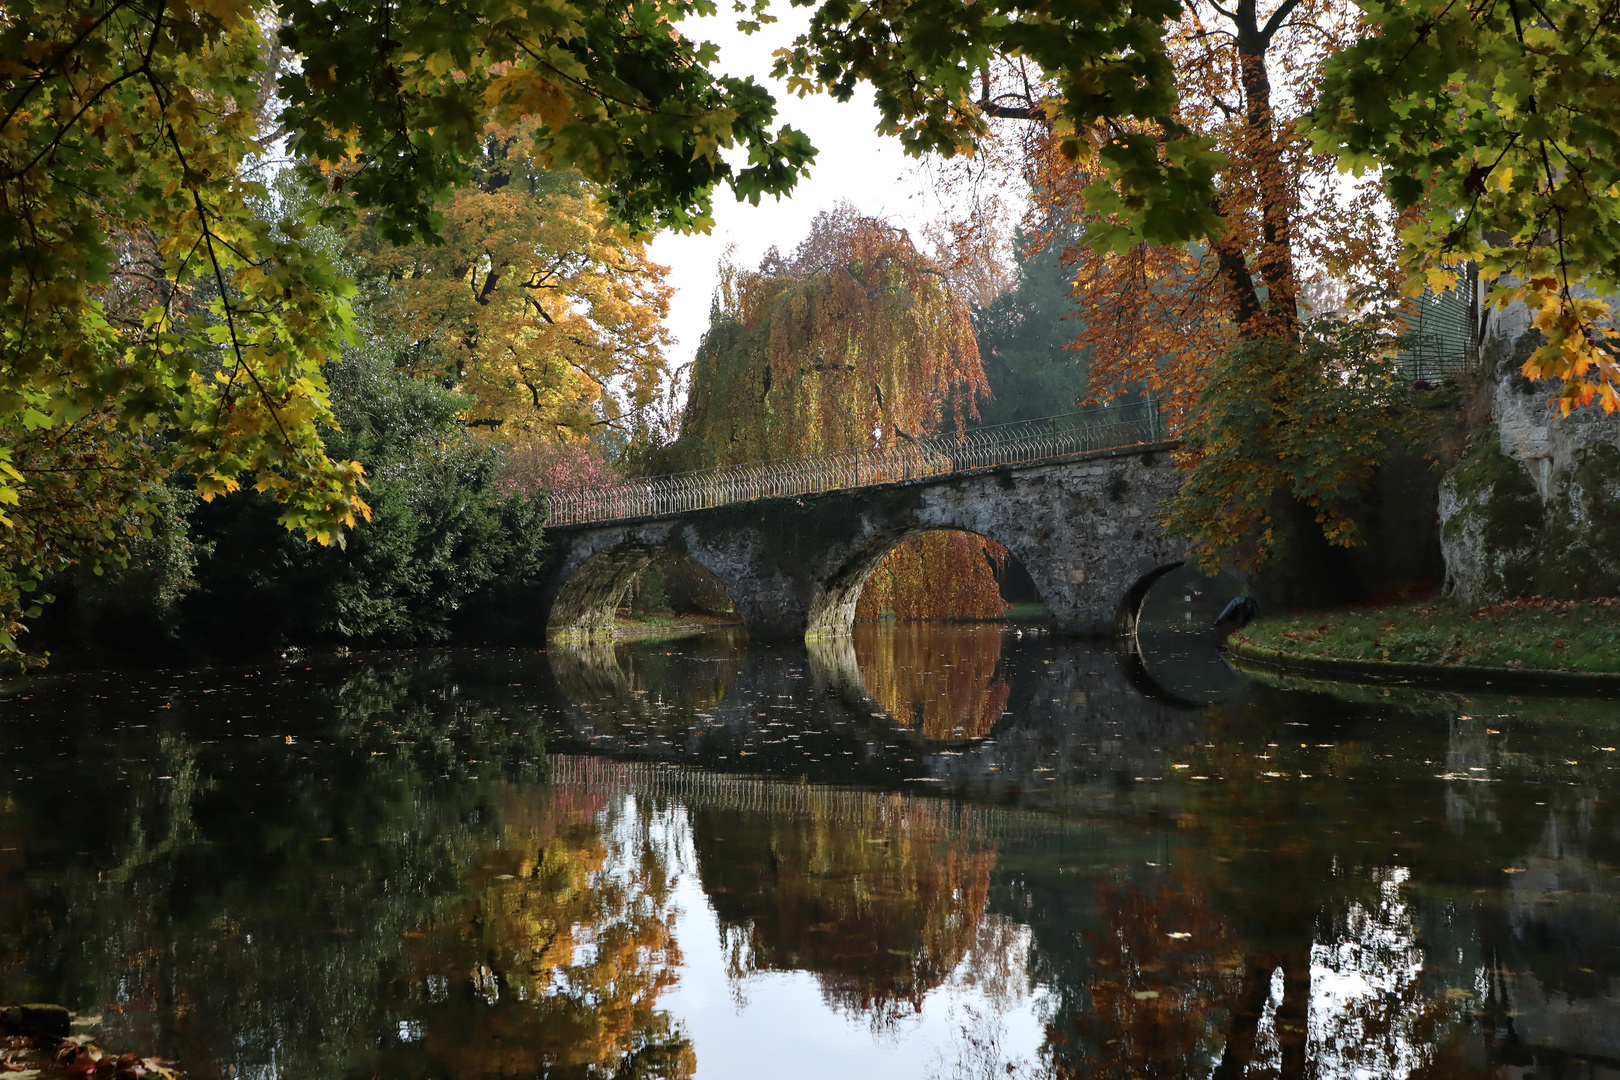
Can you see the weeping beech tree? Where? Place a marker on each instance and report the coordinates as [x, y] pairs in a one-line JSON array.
[[856, 339]]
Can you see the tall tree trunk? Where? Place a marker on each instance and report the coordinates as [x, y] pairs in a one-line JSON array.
[[1275, 258]]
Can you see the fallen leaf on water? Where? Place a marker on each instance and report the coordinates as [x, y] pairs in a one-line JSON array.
[[1145, 995]]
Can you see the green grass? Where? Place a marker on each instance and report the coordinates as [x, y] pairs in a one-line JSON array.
[[1544, 635]]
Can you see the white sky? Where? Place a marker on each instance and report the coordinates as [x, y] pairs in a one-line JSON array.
[[855, 164]]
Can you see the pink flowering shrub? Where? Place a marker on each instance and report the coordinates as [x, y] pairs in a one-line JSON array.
[[542, 465]]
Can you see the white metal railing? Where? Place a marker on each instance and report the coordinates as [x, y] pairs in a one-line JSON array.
[[1103, 427]]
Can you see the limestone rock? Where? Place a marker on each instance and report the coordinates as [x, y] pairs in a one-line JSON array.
[[1533, 508], [1491, 523]]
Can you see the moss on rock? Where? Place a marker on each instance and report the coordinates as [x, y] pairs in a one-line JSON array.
[[1492, 523], [1580, 551]]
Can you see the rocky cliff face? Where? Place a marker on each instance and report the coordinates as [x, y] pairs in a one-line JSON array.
[[1533, 507]]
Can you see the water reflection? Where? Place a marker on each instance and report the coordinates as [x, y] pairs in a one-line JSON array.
[[945, 852], [880, 898], [559, 953], [942, 685], [618, 687]]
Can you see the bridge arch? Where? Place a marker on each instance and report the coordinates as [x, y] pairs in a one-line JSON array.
[[599, 584], [832, 607], [1130, 605]]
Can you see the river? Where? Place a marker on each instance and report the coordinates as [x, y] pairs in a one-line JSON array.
[[927, 851]]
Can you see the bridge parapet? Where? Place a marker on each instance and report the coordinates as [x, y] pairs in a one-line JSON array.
[[1106, 427]]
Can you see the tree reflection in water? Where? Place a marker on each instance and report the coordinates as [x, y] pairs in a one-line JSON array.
[[880, 896], [944, 686], [1161, 971], [566, 943]]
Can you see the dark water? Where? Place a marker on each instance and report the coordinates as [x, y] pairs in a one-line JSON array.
[[928, 851]]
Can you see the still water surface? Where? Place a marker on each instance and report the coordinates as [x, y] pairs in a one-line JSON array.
[[929, 851]]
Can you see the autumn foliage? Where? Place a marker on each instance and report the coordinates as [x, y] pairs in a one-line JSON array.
[[943, 574], [535, 303], [857, 339], [1250, 336], [1496, 129], [567, 959], [1154, 317], [881, 900]]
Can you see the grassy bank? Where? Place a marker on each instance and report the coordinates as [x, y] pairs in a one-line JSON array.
[[1532, 634]]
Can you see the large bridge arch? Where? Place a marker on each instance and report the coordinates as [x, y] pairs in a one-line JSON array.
[[1085, 528], [832, 607]]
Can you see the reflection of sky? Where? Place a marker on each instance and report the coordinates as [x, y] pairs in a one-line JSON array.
[[1367, 1007], [1367, 1017], [1365, 997], [777, 1025]]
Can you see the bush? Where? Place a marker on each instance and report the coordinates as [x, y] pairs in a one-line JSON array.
[[441, 535]]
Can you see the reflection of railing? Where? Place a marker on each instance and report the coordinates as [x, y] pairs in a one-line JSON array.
[[696, 789], [1105, 427]]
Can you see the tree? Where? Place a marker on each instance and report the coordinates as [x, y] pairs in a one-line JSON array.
[[1124, 94], [1496, 130], [1222, 330], [1024, 338], [856, 340], [568, 934], [1156, 313], [534, 302], [1500, 118], [122, 120], [880, 900], [962, 697], [442, 536], [946, 574]]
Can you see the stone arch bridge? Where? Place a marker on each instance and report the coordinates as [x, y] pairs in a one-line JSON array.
[[1084, 525]]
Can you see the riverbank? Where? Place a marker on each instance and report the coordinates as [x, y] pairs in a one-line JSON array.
[[1562, 637]]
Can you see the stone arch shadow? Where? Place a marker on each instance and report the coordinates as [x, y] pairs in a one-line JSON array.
[[592, 592], [832, 606]]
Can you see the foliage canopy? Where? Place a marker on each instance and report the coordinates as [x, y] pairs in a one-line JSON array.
[[535, 303], [1500, 117], [854, 340], [1496, 127], [131, 129]]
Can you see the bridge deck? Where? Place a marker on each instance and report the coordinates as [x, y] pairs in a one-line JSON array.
[[1109, 427]]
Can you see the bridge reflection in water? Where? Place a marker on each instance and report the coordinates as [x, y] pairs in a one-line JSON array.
[[1196, 894]]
